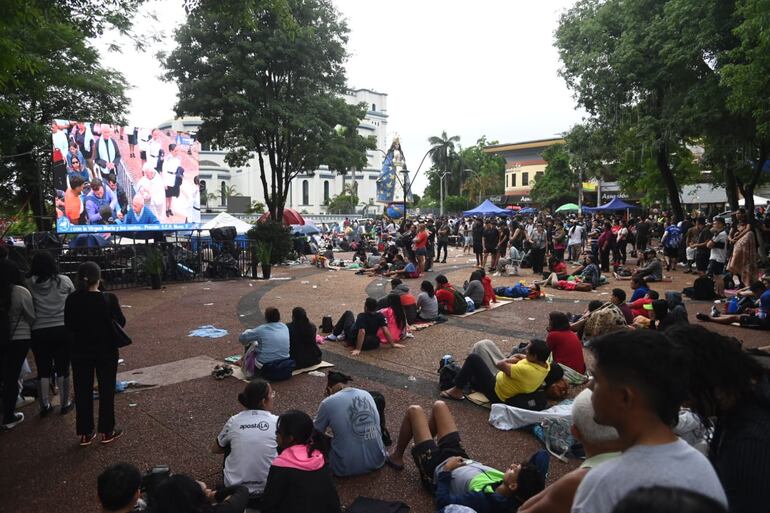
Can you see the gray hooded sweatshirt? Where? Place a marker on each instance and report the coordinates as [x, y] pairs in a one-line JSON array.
[[49, 297]]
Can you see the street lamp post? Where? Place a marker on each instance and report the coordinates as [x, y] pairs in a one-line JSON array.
[[441, 193], [478, 177]]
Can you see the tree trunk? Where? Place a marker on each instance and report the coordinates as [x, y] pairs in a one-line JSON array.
[[32, 186], [731, 187], [670, 181]]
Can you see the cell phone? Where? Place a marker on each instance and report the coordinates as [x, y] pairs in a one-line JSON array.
[[468, 461]]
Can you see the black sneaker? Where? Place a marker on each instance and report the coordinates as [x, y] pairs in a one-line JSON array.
[[108, 438], [18, 418], [702, 317], [85, 440], [67, 408], [46, 410]]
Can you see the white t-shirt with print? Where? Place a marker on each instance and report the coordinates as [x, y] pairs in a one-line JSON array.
[[251, 438], [719, 254]]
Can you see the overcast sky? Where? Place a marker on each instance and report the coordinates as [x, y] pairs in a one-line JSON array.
[[471, 68]]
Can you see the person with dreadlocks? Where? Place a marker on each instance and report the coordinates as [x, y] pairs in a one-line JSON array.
[[730, 391]]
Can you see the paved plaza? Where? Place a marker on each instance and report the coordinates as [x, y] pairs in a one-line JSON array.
[[176, 422]]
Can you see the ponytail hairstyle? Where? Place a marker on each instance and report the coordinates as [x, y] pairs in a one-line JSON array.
[[427, 287], [296, 428], [254, 394], [89, 273]]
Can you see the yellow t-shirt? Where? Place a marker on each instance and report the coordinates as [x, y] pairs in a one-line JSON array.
[[525, 377]]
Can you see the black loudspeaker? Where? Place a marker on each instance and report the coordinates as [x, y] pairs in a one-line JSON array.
[[223, 234], [42, 240]]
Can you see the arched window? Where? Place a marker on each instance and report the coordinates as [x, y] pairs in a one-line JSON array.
[[305, 192], [374, 107], [326, 191], [223, 193]]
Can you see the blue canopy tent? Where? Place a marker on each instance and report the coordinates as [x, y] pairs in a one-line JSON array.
[[614, 205], [527, 211], [487, 209]]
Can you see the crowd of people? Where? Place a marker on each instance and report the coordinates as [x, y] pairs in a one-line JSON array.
[[87, 162]]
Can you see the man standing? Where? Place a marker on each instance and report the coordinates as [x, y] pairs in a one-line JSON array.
[[640, 382], [718, 254], [576, 235], [170, 166], [442, 242], [491, 238], [107, 154], [502, 245]]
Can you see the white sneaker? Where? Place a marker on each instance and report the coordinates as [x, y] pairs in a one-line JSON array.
[[22, 401], [18, 419], [333, 338], [409, 335]]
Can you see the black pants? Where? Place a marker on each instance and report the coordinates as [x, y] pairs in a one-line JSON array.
[[105, 365], [441, 244], [475, 372], [538, 257], [620, 253], [11, 359], [605, 260], [51, 349], [345, 325]]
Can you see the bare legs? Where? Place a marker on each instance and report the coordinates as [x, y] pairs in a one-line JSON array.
[[417, 427]]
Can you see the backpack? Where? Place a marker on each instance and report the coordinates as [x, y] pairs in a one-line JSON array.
[[379, 401], [459, 306], [556, 435], [674, 238], [606, 319], [447, 372]]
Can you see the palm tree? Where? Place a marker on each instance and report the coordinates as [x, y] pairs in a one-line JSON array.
[[442, 151]]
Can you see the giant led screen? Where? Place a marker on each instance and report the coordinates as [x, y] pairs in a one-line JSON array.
[[124, 178]]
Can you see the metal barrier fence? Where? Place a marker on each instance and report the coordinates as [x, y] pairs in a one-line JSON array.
[[123, 260]]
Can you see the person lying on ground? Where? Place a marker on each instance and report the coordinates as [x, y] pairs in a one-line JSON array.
[[652, 270], [248, 440], [730, 391], [445, 469], [362, 333], [474, 289], [351, 415], [518, 374], [299, 480], [758, 318], [584, 279], [601, 443], [638, 388]]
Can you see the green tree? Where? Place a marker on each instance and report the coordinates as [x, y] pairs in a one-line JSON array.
[[456, 204], [342, 204], [559, 183], [443, 154], [50, 68], [267, 78]]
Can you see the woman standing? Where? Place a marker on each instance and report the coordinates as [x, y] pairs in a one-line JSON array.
[[50, 339], [420, 246], [621, 243], [743, 262], [17, 313], [89, 316], [303, 348], [538, 245]]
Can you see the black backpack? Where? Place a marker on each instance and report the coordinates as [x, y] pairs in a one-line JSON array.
[[379, 401], [447, 372]]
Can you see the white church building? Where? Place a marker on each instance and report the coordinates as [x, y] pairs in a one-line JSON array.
[[310, 191]]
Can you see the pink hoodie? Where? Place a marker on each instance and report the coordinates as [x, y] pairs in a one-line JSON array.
[[296, 457]]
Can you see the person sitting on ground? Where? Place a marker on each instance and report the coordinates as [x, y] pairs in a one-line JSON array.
[[303, 348], [601, 443], [119, 488], [352, 416], [489, 291], [518, 374], [362, 334], [662, 318], [299, 480], [444, 468], [730, 391], [427, 304], [759, 318], [248, 440], [640, 288], [556, 266], [396, 320], [618, 298], [653, 269], [398, 265], [444, 294], [271, 338], [676, 308], [640, 382], [183, 494], [640, 308], [664, 499], [409, 271], [564, 344], [474, 289]]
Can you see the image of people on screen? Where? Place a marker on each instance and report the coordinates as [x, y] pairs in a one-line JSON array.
[[140, 213], [99, 201], [73, 204]]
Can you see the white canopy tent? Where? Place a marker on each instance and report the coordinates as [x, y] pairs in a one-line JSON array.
[[225, 219], [758, 201]]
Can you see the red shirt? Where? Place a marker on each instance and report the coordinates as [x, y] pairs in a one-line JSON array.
[[446, 298], [566, 349], [421, 239], [637, 307]]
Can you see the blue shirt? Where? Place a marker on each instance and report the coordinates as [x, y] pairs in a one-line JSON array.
[[764, 305], [94, 204], [638, 294], [272, 340], [357, 444], [144, 217]]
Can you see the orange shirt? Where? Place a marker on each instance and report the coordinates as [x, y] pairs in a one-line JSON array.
[[72, 206]]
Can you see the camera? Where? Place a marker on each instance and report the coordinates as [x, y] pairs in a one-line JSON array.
[[153, 477]]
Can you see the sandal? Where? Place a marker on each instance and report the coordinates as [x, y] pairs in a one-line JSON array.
[[445, 395], [392, 464]]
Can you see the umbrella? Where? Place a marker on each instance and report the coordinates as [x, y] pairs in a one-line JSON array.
[[290, 216], [89, 240], [528, 210], [305, 229], [568, 207]]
